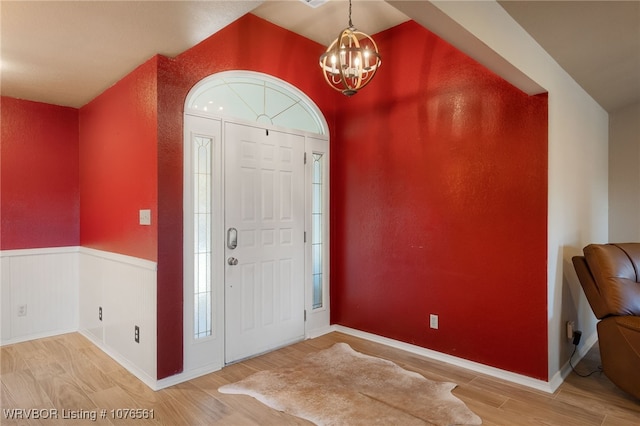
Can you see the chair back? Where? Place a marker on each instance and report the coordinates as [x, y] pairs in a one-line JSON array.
[[610, 277]]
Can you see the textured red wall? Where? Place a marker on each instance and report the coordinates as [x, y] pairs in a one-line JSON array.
[[439, 189], [39, 199], [170, 251], [118, 166], [439, 205]]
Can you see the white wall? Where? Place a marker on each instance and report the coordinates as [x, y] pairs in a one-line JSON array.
[[624, 174], [578, 152], [45, 282]]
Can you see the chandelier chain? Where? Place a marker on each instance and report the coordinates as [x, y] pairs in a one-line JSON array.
[[350, 23]]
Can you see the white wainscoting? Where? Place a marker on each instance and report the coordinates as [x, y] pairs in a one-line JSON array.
[[125, 288], [38, 293], [63, 289]]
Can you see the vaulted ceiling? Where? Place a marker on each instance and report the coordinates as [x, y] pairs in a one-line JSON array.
[[68, 52]]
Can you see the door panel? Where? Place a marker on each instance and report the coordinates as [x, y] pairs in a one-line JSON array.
[[264, 201]]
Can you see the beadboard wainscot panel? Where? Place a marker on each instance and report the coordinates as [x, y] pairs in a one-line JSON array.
[[125, 288], [5, 298], [39, 293], [91, 300]]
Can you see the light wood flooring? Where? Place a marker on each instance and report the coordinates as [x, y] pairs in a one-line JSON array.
[[69, 373]]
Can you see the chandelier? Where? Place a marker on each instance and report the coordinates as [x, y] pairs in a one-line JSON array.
[[351, 61]]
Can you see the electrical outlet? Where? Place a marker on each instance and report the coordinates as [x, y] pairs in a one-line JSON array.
[[136, 334], [570, 327], [433, 321], [22, 310]]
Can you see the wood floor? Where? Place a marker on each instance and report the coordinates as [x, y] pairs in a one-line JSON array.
[[69, 374]]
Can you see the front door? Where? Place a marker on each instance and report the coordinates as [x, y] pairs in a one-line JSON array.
[[264, 240]]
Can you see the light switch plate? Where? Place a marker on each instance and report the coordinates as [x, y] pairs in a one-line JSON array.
[[145, 217]]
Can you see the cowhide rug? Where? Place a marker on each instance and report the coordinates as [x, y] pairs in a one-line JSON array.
[[339, 386]]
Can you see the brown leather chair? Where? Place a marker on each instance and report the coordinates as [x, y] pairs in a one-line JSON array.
[[610, 277]]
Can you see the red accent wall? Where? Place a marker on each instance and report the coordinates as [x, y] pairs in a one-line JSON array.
[[118, 166], [439, 206], [439, 188], [39, 197]]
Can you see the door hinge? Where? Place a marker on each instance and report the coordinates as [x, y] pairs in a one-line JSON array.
[[305, 236], [305, 158], [305, 314]]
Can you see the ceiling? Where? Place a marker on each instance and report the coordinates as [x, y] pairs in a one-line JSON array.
[[68, 52]]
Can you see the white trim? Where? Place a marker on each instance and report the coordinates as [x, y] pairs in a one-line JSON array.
[[131, 368], [35, 336], [549, 387], [39, 251], [117, 257], [121, 258], [185, 376], [317, 332], [566, 369]]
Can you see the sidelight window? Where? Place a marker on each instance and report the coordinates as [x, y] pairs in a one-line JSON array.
[[317, 230], [202, 236]]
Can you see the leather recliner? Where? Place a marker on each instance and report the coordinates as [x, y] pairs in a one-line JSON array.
[[610, 277]]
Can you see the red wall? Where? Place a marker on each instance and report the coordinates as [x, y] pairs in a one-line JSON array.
[[39, 194], [439, 189], [439, 196], [118, 166]]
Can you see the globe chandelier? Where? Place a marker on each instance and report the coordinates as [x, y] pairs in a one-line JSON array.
[[351, 61]]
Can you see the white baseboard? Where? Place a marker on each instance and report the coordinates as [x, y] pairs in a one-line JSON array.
[[21, 339], [561, 375], [317, 332], [449, 359], [186, 376], [117, 357]]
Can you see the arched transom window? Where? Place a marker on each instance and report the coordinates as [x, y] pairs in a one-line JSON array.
[[258, 98]]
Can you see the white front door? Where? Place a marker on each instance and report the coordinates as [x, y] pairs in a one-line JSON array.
[[264, 240]]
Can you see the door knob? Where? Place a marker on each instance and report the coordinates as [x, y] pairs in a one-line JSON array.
[[232, 261]]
